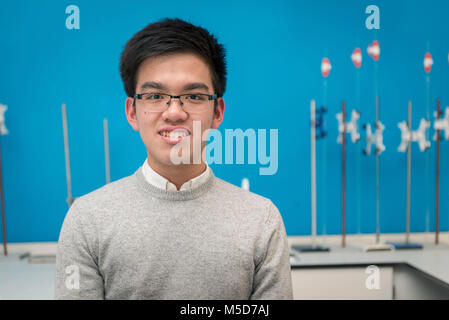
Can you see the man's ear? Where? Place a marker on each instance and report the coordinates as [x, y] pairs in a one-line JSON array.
[[131, 115], [218, 113]]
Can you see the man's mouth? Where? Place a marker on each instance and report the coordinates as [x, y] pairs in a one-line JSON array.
[[175, 135]]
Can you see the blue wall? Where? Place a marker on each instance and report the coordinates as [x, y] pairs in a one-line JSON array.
[[274, 54]]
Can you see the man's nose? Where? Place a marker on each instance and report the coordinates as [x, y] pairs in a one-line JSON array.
[[174, 111]]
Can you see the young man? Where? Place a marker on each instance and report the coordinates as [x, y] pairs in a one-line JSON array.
[[173, 231]]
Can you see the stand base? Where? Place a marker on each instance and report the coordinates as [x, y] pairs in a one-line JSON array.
[[14, 256], [310, 248], [378, 247], [42, 259], [432, 245], [404, 245]]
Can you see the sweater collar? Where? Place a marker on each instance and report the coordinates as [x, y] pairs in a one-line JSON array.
[[181, 195], [159, 181]]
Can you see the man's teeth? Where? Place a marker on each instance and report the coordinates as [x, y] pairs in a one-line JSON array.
[[174, 134]]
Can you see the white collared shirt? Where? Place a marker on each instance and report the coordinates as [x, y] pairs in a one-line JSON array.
[[160, 182]]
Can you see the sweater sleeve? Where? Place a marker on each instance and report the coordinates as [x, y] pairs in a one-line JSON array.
[[77, 273], [272, 277]]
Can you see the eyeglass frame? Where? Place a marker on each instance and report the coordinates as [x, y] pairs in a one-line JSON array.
[[209, 96]]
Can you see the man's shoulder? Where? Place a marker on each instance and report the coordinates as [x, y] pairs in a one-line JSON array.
[[110, 193], [230, 193]]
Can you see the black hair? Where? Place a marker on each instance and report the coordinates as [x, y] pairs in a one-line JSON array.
[[172, 36]]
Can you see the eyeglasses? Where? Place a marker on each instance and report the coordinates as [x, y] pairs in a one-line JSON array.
[[190, 102]]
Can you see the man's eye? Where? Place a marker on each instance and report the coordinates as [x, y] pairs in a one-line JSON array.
[[195, 97], [154, 96]]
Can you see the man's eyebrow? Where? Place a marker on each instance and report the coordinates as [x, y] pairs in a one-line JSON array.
[[152, 85], [196, 85], [160, 86]]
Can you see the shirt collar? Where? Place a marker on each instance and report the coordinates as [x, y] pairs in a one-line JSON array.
[[160, 182]]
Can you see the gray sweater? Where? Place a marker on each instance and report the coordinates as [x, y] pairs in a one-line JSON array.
[[132, 240]]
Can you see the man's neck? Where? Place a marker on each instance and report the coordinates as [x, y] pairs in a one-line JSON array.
[[177, 174]]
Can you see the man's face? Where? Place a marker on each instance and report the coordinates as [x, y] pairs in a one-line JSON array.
[[172, 74]]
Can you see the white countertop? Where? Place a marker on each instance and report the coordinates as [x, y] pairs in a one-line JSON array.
[[432, 259]]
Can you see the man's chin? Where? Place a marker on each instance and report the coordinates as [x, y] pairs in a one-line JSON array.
[[173, 155], [175, 162]]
